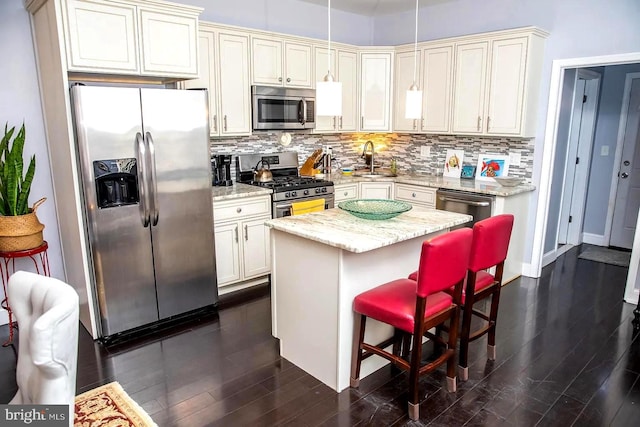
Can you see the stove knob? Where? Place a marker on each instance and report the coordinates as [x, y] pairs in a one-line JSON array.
[[294, 194], [306, 192], [318, 190], [324, 189], [286, 194]]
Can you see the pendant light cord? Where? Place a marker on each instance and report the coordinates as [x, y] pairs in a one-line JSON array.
[[415, 47], [329, 39]]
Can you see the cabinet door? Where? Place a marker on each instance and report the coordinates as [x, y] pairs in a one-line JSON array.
[[207, 77], [470, 87], [506, 87], [437, 72], [348, 76], [345, 192], [297, 65], [234, 89], [169, 44], [256, 247], [375, 89], [227, 253], [325, 123], [376, 190], [415, 194], [101, 37], [404, 78], [267, 61]]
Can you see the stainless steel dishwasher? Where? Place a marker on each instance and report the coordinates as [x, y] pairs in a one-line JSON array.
[[477, 205]]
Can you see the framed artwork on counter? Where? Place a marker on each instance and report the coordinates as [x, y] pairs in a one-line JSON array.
[[453, 163], [492, 165]]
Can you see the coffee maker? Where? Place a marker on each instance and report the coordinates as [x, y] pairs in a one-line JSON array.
[[221, 170]]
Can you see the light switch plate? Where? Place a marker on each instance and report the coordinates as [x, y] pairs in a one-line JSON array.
[[514, 159], [604, 150], [425, 151]]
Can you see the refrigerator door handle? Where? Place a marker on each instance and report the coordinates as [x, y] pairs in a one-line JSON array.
[[154, 179], [141, 154]]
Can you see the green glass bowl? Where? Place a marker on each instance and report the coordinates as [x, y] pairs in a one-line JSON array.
[[374, 208]]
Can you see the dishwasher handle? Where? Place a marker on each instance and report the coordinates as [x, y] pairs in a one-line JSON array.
[[466, 202]]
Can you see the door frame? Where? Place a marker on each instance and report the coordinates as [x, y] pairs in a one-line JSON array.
[[618, 155], [534, 269], [582, 148]]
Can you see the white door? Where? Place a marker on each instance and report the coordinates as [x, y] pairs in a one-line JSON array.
[[405, 76], [576, 177], [298, 65], [348, 76], [437, 85], [375, 91], [234, 89], [267, 62], [470, 87], [325, 123], [628, 193]]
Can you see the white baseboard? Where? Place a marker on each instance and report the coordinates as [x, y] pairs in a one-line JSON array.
[[549, 257], [4, 316], [632, 297], [528, 270], [594, 239]]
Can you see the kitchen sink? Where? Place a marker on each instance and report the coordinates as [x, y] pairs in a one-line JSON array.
[[380, 173]]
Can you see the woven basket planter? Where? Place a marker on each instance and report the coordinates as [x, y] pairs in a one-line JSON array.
[[21, 232]]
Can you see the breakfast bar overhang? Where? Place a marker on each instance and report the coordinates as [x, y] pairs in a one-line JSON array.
[[320, 262]]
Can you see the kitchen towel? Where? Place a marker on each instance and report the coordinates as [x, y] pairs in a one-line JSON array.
[[299, 208]]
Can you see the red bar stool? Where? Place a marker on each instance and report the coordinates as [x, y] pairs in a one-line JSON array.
[[413, 308], [489, 249]]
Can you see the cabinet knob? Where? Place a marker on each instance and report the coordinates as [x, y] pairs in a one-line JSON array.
[[346, 193], [239, 210], [413, 194], [288, 79], [279, 79]]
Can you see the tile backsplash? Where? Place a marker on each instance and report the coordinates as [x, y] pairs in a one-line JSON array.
[[347, 149]]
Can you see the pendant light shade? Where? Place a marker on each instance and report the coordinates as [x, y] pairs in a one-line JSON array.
[[413, 106], [329, 91]]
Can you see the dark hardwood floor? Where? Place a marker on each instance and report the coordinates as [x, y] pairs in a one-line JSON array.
[[567, 355]]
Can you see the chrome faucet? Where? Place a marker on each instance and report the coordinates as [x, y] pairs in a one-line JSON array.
[[364, 151]]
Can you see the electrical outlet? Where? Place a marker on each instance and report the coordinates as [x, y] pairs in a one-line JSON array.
[[425, 151], [604, 150], [514, 159]]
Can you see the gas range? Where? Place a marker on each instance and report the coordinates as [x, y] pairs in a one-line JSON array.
[[288, 187]]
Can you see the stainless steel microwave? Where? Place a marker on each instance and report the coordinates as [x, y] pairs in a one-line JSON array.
[[283, 108]]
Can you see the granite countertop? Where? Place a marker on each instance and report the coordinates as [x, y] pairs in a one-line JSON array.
[[337, 228], [238, 190], [476, 186]]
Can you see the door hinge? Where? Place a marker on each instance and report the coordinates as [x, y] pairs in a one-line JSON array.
[[584, 98], [570, 218], [577, 160]]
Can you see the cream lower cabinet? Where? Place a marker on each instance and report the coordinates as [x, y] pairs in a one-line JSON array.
[[131, 38], [228, 85], [416, 195], [242, 240], [375, 190], [343, 192]]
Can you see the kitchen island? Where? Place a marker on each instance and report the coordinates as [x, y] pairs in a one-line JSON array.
[[320, 262]]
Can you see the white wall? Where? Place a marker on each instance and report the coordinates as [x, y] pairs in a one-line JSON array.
[[20, 102], [288, 16], [579, 28]]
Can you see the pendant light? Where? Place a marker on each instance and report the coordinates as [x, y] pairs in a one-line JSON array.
[[329, 91], [413, 106]]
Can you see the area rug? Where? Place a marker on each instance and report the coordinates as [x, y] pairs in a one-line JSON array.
[[109, 405], [606, 255]]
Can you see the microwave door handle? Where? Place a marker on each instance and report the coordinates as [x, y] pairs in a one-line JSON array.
[[141, 154], [302, 111]]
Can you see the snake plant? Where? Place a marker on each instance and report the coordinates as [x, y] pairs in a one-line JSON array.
[[14, 187]]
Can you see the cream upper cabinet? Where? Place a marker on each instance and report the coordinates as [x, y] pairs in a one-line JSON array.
[[497, 84], [470, 87], [404, 78], [375, 91], [437, 89], [228, 85], [281, 63], [344, 71], [131, 38]]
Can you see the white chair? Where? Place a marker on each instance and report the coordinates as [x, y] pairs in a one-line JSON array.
[[47, 311]]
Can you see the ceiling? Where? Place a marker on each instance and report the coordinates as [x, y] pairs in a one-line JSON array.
[[375, 7]]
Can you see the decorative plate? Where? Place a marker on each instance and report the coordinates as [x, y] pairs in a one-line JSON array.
[[374, 208]]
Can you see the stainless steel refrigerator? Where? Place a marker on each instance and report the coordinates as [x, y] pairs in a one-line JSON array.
[[146, 177]]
